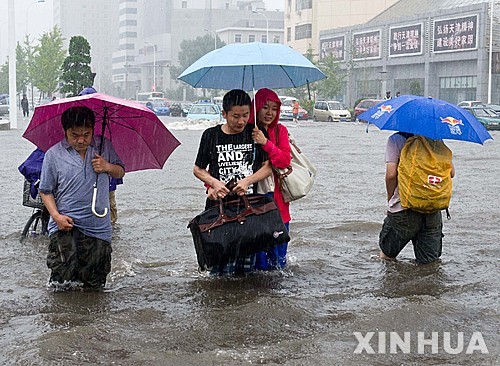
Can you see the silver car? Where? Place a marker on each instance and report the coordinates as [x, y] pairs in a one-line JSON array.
[[4, 106], [331, 111]]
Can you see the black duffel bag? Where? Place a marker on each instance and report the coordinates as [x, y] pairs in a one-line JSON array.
[[237, 226]]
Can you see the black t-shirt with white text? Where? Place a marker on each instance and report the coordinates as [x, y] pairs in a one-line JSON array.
[[230, 157]]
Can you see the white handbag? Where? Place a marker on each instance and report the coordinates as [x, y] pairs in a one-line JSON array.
[[266, 185], [297, 179]]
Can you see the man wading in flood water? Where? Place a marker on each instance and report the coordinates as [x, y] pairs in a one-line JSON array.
[[80, 243]]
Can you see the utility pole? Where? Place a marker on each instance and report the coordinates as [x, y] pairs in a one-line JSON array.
[[12, 67]]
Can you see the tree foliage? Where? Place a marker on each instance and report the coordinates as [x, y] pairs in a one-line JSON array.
[[76, 72], [46, 61], [415, 87], [4, 78], [335, 80], [38, 65], [22, 76], [192, 50]]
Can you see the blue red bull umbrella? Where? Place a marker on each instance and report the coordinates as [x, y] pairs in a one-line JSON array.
[[433, 118]]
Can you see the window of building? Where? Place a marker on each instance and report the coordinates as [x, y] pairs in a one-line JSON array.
[[288, 34], [127, 22], [303, 31], [263, 38], [458, 82], [251, 38], [237, 38], [184, 5], [276, 39], [303, 4], [127, 35], [126, 46], [128, 11]]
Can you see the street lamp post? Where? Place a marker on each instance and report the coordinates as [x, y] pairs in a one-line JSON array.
[[215, 37], [27, 13], [154, 65], [12, 67], [267, 23], [492, 5]]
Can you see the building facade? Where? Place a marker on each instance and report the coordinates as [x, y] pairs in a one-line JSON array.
[[151, 33], [443, 53], [97, 21], [306, 19], [134, 42]]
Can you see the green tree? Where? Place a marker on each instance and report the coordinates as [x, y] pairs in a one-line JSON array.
[[29, 50], [76, 72], [335, 78], [4, 78], [415, 87], [192, 50], [21, 69], [45, 68]]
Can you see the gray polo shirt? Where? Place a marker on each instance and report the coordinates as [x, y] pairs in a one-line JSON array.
[[394, 146], [71, 181]]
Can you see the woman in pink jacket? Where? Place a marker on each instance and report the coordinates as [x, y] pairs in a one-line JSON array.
[[273, 137]]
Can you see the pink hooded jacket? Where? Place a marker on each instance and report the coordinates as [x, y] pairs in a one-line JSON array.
[[277, 146]]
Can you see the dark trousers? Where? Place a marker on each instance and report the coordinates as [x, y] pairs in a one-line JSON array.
[[424, 230], [74, 256]]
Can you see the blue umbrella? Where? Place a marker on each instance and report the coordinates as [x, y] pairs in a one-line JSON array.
[[433, 118], [251, 66]]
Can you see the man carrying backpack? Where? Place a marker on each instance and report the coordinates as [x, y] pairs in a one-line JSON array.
[[420, 170]]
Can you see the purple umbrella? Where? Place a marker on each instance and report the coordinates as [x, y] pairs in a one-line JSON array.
[[140, 139], [138, 136]]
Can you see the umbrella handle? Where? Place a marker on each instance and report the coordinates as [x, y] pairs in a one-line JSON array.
[[94, 196]]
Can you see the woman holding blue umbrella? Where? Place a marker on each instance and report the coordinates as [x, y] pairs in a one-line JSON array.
[[273, 137]]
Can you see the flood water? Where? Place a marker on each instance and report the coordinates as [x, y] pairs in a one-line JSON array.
[[157, 308]]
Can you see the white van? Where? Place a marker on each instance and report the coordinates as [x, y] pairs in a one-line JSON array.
[[331, 111]]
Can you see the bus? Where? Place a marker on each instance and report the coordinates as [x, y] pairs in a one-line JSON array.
[[144, 97]]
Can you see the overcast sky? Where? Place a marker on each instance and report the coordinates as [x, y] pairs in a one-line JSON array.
[[35, 18]]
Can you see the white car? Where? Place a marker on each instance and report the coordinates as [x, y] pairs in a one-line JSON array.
[[286, 110], [471, 103], [331, 111], [4, 106], [205, 111]]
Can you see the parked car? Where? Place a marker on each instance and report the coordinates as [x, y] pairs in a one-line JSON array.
[[204, 111], [470, 103], [159, 107], [488, 117], [495, 107], [364, 105], [286, 110], [179, 109], [331, 111], [4, 105]]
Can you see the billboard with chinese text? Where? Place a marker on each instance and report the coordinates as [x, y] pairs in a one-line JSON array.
[[366, 45], [455, 34], [406, 40], [334, 46]]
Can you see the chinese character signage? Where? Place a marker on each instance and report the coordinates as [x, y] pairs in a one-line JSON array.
[[366, 45], [457, 34], [406, 40], [333, 47]]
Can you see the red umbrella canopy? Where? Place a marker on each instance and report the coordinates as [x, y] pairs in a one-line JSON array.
[[138, 136]]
